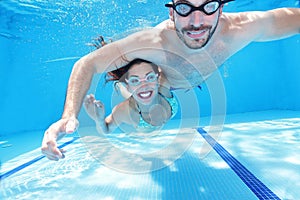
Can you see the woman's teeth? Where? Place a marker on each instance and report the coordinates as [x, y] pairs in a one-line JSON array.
[[145, 95]]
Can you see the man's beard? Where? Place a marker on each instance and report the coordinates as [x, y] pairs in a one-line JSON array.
[[196, 43]]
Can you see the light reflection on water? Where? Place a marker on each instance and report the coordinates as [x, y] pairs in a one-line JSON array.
[[271, 149], [80, 175]]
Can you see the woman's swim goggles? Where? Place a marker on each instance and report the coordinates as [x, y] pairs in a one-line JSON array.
[[135, 81]]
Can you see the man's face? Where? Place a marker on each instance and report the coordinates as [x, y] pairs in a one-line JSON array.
[[196, 29]]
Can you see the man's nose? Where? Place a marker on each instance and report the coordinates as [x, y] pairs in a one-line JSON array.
[[197, 18]]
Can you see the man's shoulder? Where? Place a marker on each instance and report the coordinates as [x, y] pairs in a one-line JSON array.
[[229, 18], [231, 22], [240, 17], [166, 24], [147, 36], [155, 31]]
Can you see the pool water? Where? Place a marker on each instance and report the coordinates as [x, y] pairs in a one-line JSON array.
[[246, 146]]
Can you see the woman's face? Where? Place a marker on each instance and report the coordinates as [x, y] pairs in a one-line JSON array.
[[142, 82]]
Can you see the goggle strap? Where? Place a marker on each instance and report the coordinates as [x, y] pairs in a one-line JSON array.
[[169, 5], [226, 1]]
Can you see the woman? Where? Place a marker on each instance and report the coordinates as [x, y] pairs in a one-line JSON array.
[[150, 105]]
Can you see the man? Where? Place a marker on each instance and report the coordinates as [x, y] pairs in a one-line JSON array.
[[189, 47]]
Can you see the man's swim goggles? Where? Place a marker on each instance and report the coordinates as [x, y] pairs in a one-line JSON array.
[[184, 9]]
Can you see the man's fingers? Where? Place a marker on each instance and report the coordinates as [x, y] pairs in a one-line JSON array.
[[53, 156], [63, 153], [56, 131], [62, 150], [51, 151]]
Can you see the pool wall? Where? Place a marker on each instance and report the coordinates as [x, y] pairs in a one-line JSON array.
[[264, 76]]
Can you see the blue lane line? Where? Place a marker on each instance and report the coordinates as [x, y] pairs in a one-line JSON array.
[[253, 183], [11, 172]]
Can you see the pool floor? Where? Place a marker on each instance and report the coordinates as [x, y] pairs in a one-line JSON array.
[[255, 157]]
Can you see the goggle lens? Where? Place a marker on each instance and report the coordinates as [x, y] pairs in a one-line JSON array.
[[209, 8], [135, 81]]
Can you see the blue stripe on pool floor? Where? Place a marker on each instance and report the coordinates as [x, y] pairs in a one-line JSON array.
[[253, 183], [11, 172]]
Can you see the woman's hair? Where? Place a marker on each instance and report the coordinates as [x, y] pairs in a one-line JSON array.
[[121, 74]]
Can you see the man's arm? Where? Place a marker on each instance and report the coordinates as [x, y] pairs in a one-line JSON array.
[[78, 85], [102, 60], [237, 30], [280, 23], [269, 25]]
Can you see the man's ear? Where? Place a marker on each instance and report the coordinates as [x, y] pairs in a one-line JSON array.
[[171, 14]]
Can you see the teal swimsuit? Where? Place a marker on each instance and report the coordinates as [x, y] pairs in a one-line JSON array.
[[174, 108]]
